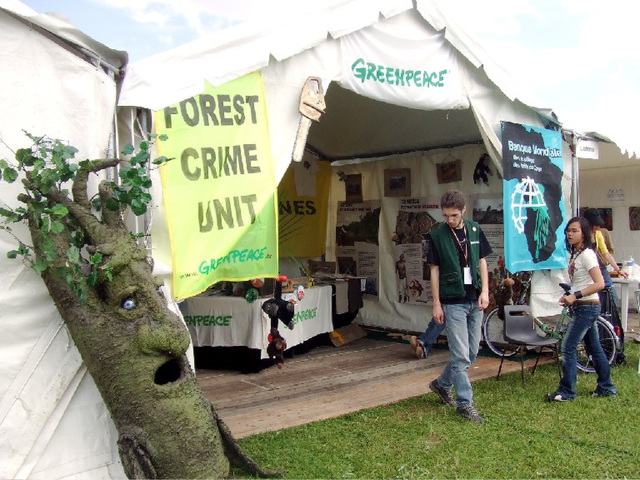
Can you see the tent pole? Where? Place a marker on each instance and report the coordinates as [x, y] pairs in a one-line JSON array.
[[575, 174]]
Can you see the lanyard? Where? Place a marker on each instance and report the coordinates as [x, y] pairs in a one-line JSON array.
[[464, 250]]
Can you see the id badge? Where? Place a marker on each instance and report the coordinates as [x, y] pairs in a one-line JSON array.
[[467, 276]]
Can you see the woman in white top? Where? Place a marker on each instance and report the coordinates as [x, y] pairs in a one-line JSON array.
[[586, 280]]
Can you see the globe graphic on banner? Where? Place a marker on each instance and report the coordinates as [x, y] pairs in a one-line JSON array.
[[526, 194]]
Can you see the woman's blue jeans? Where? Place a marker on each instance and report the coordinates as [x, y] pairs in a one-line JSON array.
[[583, 326], [464, 324]]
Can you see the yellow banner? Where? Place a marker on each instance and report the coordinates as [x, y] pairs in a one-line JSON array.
[[303, 194], [219, 189]]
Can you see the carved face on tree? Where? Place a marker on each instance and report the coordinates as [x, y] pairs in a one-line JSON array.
[[101, 281]]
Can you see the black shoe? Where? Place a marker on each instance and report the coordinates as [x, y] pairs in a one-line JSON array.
[[443, 393], [597, 393], [469, 412], [557, 397]]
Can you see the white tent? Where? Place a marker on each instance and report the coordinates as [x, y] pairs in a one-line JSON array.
[[55, 81], [363, 120], [53, 423], [608, 178]]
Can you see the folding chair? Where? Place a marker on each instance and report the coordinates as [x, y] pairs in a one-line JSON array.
[[520, 332]]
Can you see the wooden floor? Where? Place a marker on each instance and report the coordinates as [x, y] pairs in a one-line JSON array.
[[329, 381]]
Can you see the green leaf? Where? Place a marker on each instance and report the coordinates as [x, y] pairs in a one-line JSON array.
[[92, 278], [112, 205], [77, 238], [160, 160], [69, 151], [24, 157], [59, 210], [9, 175], [40, 266], [73, 254], [127, 149], [12, 254], [96, 258], [164, 137], [138, 208], [46, 223], [57, 227], [108, 271], [96, 203], [125, 171], [125, 198], [5, 212], [23, 249]]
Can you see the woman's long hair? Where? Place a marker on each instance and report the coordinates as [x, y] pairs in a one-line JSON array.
[[586, 233]]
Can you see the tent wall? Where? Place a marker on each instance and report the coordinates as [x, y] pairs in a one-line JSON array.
[[53, 423], [385, 310], [615, 188]]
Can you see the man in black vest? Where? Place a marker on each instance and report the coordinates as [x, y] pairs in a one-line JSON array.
[[460, 290]]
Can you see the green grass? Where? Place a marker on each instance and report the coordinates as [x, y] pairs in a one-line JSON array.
[[523, 436]]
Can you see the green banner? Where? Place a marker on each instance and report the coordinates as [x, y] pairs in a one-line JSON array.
[[219, 188]]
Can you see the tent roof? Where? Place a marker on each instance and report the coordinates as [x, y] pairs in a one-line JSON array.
[[244, 48], [610, 155], [374, 128], [64, 31]]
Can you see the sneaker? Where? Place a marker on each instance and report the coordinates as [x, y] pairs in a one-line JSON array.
[[557, 397], [597, 393], [443, 393], [469, 412], [417, 347]]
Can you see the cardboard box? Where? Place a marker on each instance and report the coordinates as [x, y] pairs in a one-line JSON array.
[[347, 334]]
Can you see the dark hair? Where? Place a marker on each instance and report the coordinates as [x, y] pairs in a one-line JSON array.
[[586, 232], [453, 199]]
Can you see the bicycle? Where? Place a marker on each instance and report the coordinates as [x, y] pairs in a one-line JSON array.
[[492, 324], [609, 340], [609, 312]]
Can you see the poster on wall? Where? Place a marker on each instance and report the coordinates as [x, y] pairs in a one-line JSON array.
[[489, 213], [634, 218], [357, 250], [533, 198], [606, 214], [415, 219]]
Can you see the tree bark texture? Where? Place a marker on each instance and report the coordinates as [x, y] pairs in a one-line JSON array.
[[135, 350]]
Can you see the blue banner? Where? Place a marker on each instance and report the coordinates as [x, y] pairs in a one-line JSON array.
[[533, 200]]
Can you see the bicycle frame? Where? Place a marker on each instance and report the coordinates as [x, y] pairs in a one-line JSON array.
[[609, 339]]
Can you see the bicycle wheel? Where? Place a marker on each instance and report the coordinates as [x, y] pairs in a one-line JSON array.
[[492, 333], [608, 341]]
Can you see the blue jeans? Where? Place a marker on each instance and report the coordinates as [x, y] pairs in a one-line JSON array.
[[430, 335], [608, 283], [464, 324], [584, 326]]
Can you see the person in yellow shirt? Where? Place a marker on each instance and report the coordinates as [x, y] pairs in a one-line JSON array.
[[604, 248]]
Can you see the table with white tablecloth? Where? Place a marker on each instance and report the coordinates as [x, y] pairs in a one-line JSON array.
[[625, 284], [223, 321]]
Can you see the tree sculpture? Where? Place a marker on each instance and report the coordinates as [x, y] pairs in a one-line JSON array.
[[100, 280]]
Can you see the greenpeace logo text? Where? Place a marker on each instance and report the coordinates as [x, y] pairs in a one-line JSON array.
[[368, 71]]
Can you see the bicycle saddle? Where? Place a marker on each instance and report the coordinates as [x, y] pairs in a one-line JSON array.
[[566, 287]]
